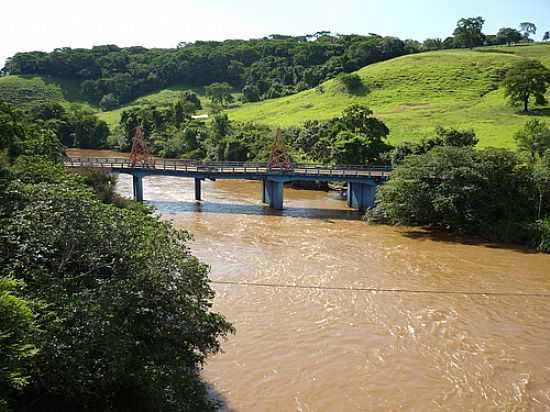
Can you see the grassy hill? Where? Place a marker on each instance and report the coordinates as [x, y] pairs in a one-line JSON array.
[[23, 91], [413, 94], [166, 96]]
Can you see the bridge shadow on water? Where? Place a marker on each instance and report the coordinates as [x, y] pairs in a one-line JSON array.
[[252, 209]]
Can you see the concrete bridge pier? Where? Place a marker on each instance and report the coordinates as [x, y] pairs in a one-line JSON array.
[[273, 193], [137, 181], [198, 191], [361, 195]]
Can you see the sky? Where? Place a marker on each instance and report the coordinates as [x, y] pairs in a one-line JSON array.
[[27, 25]]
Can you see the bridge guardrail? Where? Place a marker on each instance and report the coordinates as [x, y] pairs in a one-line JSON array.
[[229, 167]]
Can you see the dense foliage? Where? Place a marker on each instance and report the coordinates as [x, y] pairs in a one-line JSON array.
[[73, 127], [171, 132], [446, 183], [355, 137], [443, 137], [271, 67], [121, 311], [16, 348]]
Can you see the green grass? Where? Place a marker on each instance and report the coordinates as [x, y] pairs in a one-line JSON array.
[[540, 51], [166, 96], [414, 94], [24, 91]]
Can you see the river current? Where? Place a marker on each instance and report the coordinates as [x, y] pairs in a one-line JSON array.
[[311, 349], [322, 348]]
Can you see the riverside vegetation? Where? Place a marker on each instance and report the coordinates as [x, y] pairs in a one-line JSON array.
[[102, 305], [87, 275]]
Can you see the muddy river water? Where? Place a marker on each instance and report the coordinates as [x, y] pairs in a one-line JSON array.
[[327, 349]]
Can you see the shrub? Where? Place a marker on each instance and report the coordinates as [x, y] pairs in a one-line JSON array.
[[352, 82], [109, 102]]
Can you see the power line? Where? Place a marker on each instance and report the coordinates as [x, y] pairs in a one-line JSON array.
[[382, 290]]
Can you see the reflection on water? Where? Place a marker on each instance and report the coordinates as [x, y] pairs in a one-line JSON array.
[[166, 207], [334, 350]]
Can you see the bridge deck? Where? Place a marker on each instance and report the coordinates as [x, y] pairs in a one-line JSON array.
[[232, 170]]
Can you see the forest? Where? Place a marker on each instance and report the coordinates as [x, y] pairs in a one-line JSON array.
[[266, 68]]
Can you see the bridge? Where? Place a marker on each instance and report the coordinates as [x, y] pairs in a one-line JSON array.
[[362, 181]]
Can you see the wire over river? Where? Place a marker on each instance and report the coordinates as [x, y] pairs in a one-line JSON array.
[[384, 290]]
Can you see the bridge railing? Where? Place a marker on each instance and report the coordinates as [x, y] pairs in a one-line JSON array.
[[228, 167]]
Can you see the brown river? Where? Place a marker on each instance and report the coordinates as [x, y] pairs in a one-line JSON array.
[[334, 344]]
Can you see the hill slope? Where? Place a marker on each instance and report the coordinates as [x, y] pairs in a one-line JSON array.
[[415, 93]]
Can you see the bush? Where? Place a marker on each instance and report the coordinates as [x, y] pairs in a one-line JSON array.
[[250, 94], [191, 98], [352, 82], [109, 102]]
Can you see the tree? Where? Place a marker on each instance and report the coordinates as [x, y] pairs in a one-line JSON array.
[[449, 43], [468, 32], [412, 46], [432, 44], [109, 102], [533, 139], [191, 99], [360, 137], [16, 334], [507, 35], [219, 93], [352, 82], [546, 36], [527, 29], [541, 179], [457, 188], [250, 93], [359, 119], [124, 320], [357, 149], [454, 137], [527, 78]]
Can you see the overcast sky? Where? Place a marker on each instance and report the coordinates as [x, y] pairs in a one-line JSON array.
[[27, 25]]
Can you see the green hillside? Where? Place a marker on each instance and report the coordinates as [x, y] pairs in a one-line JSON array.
[[415, 93], [23, 91], [166, 96]]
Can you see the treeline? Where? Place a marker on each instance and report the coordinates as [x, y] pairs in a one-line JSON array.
[[73, 126], [269, 67], [102, 305], [354, 137], [469, 33]]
